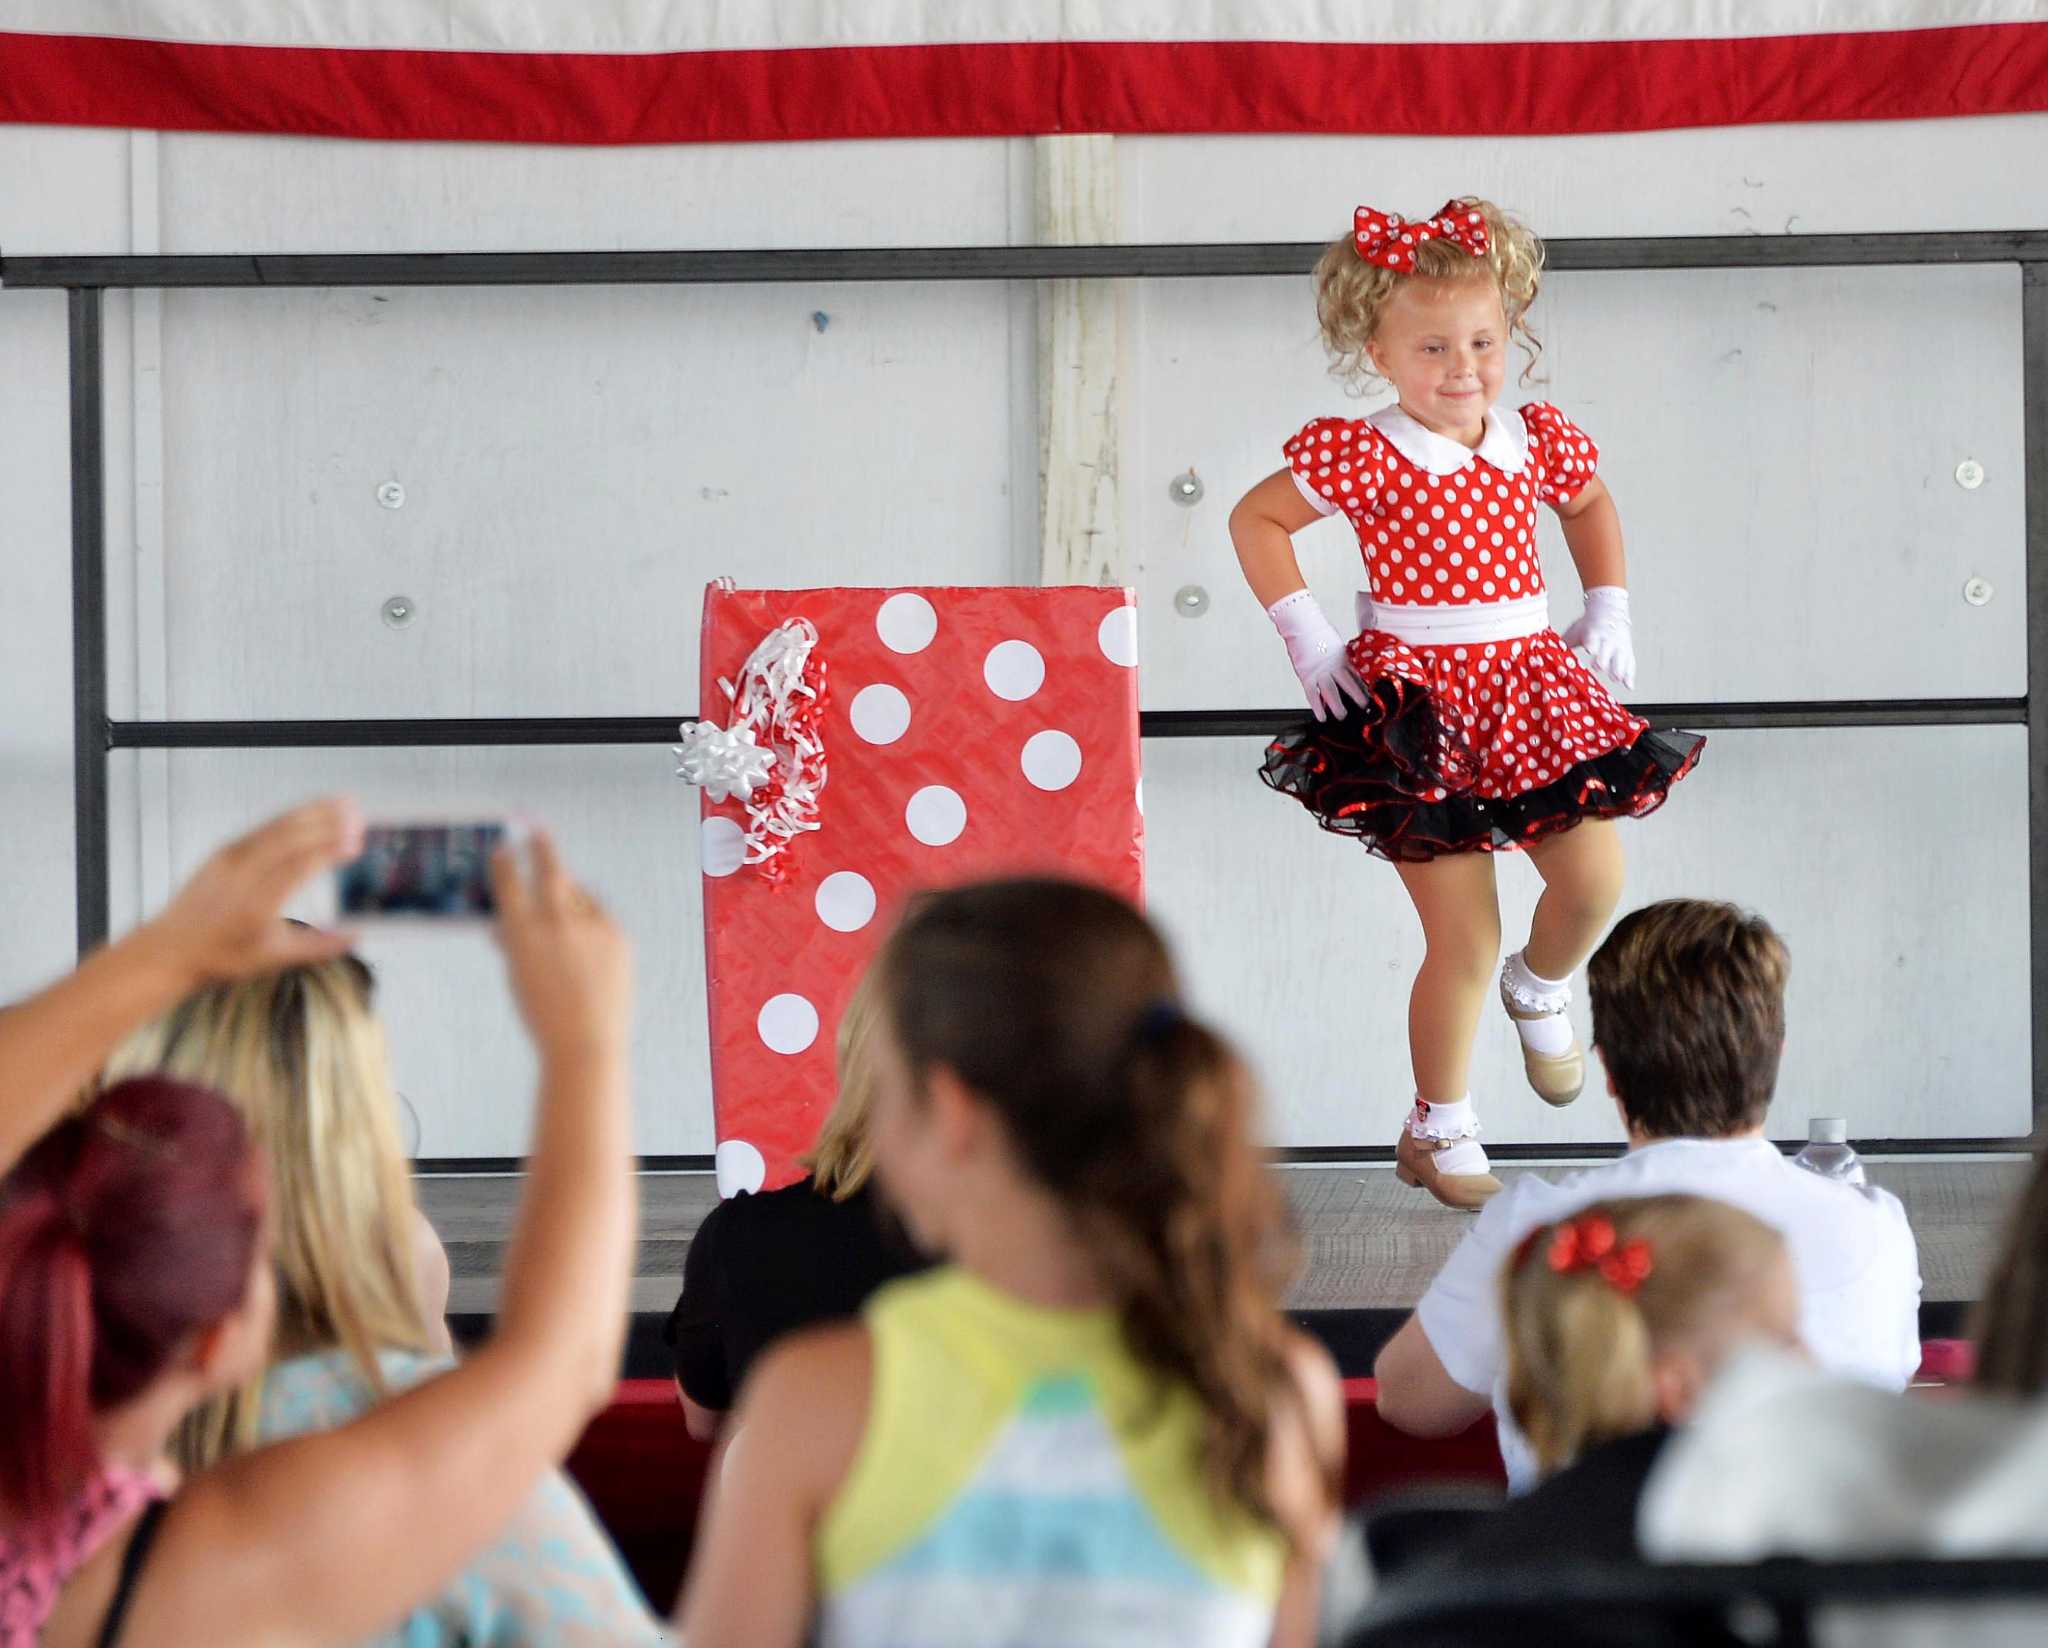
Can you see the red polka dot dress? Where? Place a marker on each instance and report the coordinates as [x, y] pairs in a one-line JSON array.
[[1484, 730]]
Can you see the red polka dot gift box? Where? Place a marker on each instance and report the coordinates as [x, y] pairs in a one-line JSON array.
[[858, 745]]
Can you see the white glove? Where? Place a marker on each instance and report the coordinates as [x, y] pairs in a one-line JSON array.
[[1316, 651], [1605, 634], [1361, 609]]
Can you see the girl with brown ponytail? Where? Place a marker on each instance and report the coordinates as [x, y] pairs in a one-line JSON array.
[[1092, 1424]]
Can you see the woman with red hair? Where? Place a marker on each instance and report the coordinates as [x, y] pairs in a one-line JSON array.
[[134, 1283]]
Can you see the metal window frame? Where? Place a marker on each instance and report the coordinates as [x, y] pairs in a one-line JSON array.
[[95, 734]]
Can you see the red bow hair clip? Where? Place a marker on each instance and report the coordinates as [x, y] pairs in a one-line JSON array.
[[1389, 239], [1589, 1244]]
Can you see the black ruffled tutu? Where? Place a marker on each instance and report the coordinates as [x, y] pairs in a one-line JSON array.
[[1403, 781]]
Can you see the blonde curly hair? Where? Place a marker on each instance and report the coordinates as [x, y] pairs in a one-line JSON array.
[[1351, 294]]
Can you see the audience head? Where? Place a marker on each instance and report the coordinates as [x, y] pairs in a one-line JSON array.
[[132, 1249], [843, 1157], [1032, 1030], [1688, 1004], [2012, 1322], [301, 1053], [1616, 1318]]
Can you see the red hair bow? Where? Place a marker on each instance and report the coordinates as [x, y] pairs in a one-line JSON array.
[[1389, 239], [1589, 1244]]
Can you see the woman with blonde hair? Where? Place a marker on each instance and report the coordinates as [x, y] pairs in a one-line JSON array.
[[360, 1270], [763, 1265], [361, 1280]]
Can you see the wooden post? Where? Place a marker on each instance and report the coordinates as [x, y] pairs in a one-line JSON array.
[[1081, 534]]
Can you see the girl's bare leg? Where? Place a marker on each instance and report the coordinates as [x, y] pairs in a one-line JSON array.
[[1438, 1146], [1454, 897], [1582, 872]]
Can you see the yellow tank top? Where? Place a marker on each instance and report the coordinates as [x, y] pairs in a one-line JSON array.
[[1022, 1479]]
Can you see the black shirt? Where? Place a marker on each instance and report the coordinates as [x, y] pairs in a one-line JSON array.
[[1584, 1513], [762, 1266]]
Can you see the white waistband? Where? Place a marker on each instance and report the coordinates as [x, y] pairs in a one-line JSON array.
[[1446, 626]]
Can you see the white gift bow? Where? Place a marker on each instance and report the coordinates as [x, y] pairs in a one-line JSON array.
[[772, 733]]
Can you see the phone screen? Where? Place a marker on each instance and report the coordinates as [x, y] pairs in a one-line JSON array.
[[421, 870]]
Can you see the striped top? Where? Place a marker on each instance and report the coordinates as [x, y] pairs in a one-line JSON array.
[[1022, 1479]]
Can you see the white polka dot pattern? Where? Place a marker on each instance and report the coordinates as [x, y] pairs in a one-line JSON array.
[[936, 815], [740, 1167], [907, 622], [1117, 636], [1051, 759], [787, 1023], [1528, 709], [845, 901], [1014, 670], [880, 713], [723, 845]]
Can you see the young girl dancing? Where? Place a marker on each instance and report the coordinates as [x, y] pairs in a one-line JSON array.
[[1458, 724]]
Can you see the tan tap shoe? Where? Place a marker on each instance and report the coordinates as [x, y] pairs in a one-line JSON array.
[[1558, 1078], [1415, 1164]]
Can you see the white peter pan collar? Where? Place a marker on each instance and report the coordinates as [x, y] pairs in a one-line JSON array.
[[1505, 444]]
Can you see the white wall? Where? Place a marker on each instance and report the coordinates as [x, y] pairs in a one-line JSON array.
[[578, 462]]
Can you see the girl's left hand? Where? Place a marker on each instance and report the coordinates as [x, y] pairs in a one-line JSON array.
[[1605, 633]]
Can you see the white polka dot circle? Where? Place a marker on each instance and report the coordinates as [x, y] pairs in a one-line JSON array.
[[787, 1023], [722, 846], [1013, 670], [880, 713], [1052, 760], [936, 815], [906, 623], [1118, 636], [741, 1169], [846, 901]]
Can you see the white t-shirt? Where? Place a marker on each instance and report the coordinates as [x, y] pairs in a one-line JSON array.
[[1858, 1267]]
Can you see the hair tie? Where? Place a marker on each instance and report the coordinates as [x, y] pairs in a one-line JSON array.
[[1589, 1243], [1389, 240], [1159, 1020]]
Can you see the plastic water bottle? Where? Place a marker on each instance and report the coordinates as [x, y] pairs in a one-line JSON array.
[[1828, 1153]]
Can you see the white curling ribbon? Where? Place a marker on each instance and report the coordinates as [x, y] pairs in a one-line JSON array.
[[765, 740], [723, 761]]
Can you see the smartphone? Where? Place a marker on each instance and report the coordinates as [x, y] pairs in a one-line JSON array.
[[438, 870]]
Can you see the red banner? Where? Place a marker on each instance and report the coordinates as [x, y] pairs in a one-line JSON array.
[[611, 71]]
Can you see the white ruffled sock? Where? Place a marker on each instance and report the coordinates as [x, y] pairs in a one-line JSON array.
[[1459, 1125], [1532, 992]]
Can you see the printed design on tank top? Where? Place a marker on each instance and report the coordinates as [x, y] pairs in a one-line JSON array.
[[1051, 1539]]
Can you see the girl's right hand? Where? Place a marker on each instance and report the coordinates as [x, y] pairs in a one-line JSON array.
[[570, 966], [1318, 655]]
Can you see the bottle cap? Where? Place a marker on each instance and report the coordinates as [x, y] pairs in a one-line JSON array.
[[1827, 1130]]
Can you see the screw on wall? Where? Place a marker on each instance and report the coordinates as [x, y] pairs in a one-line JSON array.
[[1978, 592], [1969, 474], [1191, 600], [1185, 489], [398, 611], [391, 495]]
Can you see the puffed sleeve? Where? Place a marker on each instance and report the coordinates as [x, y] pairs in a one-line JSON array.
[[1564, 454], [1337, 465]]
